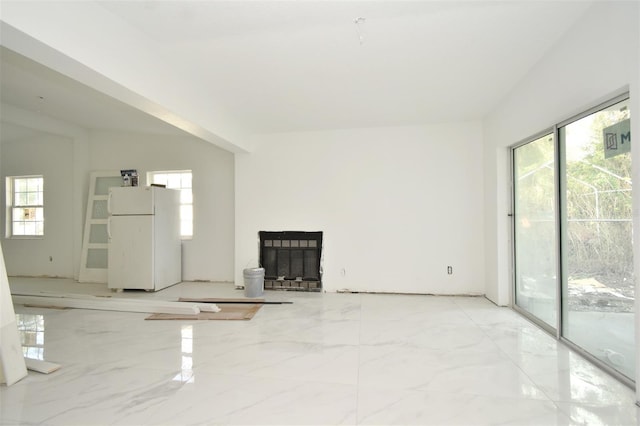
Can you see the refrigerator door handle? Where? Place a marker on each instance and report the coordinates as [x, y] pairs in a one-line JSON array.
[[109, 228], [109, 203]]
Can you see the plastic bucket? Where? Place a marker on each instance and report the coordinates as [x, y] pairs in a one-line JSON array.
[[253, 282]]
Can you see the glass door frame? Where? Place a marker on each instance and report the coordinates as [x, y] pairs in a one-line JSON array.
[[555, 331], [560, 217]]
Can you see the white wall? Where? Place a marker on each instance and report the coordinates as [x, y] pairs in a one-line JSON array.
[[52, 157], [65, 155], [209, 254], [596, 59], [396, 205], [58, 150]]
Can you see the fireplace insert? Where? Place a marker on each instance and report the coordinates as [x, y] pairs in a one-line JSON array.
[[291, 260]]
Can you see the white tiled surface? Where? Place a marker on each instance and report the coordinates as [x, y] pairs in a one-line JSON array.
[[325, 359]]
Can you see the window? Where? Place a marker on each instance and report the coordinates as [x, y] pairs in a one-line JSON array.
[[598, 285], [181, 180], [573, 228], [25, 205], [535, 228]]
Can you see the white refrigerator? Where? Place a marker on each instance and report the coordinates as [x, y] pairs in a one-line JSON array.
[[145, 249]]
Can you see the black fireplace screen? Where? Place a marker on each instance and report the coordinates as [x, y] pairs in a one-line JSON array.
[[291, 259]]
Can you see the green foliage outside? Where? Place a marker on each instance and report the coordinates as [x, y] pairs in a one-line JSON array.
[[597, 205], [599, 210]]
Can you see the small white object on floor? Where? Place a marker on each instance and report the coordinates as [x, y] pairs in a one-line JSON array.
[[208, 307], [40, 366]]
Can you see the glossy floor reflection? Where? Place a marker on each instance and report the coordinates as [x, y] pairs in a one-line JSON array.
[[325, 359]]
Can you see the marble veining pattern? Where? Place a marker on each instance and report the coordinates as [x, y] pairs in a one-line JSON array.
[[324, 359]]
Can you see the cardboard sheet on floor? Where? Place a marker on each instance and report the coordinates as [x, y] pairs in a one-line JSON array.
[[223, 300], [220, 300], [229, 312]]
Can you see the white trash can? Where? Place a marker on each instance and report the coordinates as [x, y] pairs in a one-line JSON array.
[[253, 282]]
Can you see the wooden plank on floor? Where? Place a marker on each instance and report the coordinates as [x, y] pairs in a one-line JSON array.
[[110, 304]]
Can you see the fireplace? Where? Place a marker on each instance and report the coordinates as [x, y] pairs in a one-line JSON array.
[[291, 260]]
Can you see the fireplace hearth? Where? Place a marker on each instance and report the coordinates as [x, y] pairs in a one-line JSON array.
[[291, 260]]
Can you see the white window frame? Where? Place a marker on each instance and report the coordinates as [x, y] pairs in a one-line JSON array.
[[185, 186], [12, 204]]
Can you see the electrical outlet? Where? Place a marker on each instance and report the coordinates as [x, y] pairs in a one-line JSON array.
[[450, 270]]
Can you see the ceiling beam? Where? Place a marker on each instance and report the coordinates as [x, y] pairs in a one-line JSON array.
[[53, 52]]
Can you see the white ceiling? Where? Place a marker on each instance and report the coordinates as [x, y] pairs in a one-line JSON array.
[[278, 66], [30, 86]]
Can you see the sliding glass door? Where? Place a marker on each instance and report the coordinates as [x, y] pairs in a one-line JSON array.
[[535, 229], [597, 252], [573, 254]]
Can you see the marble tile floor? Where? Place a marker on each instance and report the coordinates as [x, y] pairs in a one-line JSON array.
[[325, 359]]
